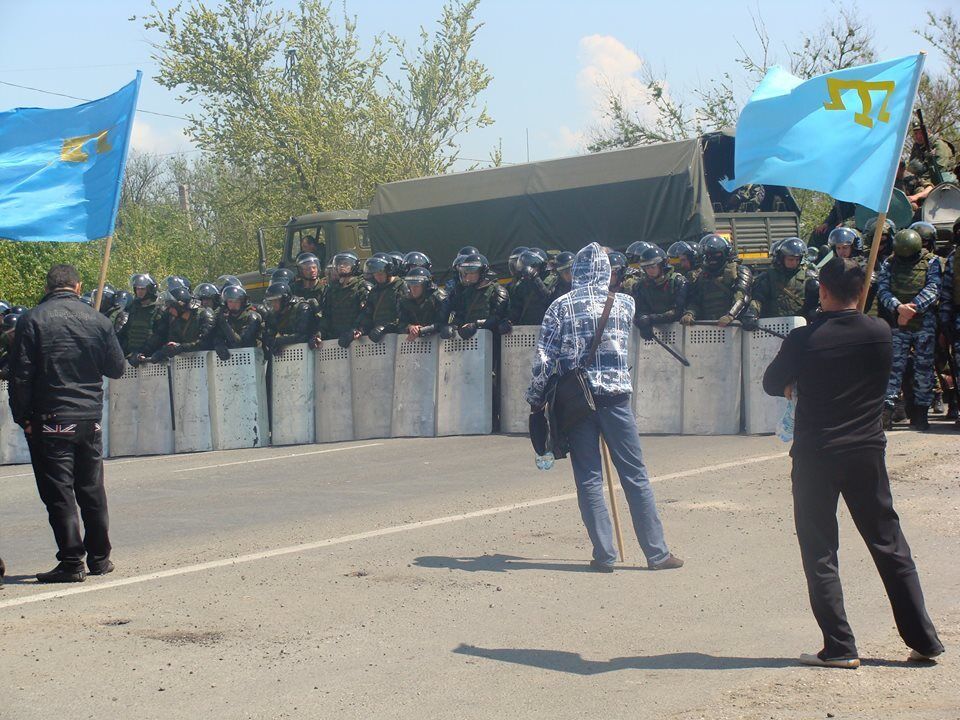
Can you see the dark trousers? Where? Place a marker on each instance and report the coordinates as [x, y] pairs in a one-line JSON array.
[[67, 459], [861, 478]]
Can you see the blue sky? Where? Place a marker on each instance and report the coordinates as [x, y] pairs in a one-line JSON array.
[[544, 56]]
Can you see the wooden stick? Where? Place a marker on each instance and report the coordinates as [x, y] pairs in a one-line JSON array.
[[103, 273], [613, 497], [872, 261]]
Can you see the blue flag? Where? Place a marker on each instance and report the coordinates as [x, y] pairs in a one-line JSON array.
[[61, 170], [839, 133]]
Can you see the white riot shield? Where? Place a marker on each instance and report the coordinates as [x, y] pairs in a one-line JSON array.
[[761, 411], [658, 382], [711, 385], [517, 350], [13, 443], [154, 411], [291, 396], [238, 400], [191, 402], [372, 366], [465, 386], [333, 392], [121, 414], [415, 388]]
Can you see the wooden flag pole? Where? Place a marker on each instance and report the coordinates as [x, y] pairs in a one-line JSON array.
[[613, 497], [103, 273]]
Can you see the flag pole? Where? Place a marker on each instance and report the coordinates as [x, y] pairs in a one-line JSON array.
[[872, 260], [882, 217], [103, 273]]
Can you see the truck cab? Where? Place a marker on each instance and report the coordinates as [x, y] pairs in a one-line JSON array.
[[331, 232]]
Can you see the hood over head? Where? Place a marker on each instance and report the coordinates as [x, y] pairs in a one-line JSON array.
[[591, 267]]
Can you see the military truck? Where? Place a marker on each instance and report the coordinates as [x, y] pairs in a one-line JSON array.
[[659, 193]]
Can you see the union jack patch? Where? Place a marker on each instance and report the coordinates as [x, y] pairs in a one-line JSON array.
[[59, 429]]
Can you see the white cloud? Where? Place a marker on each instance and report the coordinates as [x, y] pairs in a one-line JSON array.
[[606, 65], [149, 139]]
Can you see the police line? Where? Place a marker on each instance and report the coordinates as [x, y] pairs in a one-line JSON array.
[[421, 388]]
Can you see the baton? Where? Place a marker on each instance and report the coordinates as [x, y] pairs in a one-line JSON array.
[[768, 331], [677, 356]]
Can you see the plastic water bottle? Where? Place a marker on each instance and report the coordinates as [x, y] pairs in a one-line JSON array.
[[785, 424], [545, 461]]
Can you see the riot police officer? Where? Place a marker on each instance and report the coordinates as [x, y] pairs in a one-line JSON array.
[[144, 316], [238, 323], [908, 287], [928, 235], [529, 295], [308, 284], [341, 302], [287, 318], [478, 302], [208, 295], [788, 288], [721, 290], [619, 271], [187, 327], [7, 329], [846, 242], [563, 275], [381, 313], [423, 309], [225, 280], [660, 293], [415, 259]]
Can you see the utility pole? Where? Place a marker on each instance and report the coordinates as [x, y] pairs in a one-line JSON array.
[[184, 192], [528, 144]]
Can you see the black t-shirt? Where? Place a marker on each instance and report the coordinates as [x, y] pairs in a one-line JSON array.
[[841, 364]]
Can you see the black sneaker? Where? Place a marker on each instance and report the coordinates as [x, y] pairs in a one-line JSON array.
[[600, 567], [103, 568], [63, 574]]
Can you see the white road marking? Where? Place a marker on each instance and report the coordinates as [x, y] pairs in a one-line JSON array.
[[305, 547], [277, 457], [107, 464]]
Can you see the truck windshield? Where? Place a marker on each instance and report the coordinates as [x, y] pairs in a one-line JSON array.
[[308, 239]]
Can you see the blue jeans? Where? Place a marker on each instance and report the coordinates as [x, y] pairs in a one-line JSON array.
[[619, 428]]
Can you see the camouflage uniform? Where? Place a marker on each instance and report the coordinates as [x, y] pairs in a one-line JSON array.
[[529, 298], [381, 308], [712, 296], [192, 334], [911, 281], [485, 301], [290, 326], [241, 330], [940, 156], [144, 319], [342, 303], [662, 299], [427, 310], [780, 292], [950, 305], [309, 293]]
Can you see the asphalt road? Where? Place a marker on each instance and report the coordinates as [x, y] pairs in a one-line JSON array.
[[446, 578]]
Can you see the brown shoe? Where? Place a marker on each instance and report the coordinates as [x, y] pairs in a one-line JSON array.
[[671, 563]]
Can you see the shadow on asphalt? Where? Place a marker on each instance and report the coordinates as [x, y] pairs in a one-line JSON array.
[[505, 563], [573, 663], [20, 580]]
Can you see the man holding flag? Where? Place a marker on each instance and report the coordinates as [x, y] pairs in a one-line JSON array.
[[60, 177], [840, 133]]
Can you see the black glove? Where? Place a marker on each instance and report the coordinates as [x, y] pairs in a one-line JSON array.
[[646, 331], [468, 330], [346, 337], [222, 352], [528, 272], [749, 321], [642, 321], [315, 342], [505, 327], [277, 350], [158, 357], [446, 331], [134, 359], [377, 333]]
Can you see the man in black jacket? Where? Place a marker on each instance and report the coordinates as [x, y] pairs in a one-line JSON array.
[[838, 449], [61, 352]]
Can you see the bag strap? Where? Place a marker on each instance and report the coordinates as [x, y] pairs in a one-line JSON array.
[[601, 326]]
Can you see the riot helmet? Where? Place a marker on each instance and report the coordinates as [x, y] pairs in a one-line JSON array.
[[308, 265], [791, 247], [715, 250], [4, 307], [653, 257], [468, 250], [530, 263], [564, 261], [635, 250], [10, 321], [418, 280], [680, 252], [234, 294], [397, 258], [346, 264], [844, 237], [469, 265], [513, 262], [208, 295], [380, 264], [283, 275], [277, 296], [227, 280], [109, 295], [87, 298], [870, 227], [927, 233], [178, 299], [123, 300], [18, 309], [618, 267], [143, 280], [907, 243], [415, 259]]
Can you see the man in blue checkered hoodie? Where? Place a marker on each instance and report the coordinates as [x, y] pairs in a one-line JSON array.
[[566, 334]]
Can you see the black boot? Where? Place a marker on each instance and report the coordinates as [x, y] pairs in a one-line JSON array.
[[63, 573], [887, 418], [919, 420]]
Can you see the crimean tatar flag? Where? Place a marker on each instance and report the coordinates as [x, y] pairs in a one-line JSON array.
[[61, 170], [840, 133]]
